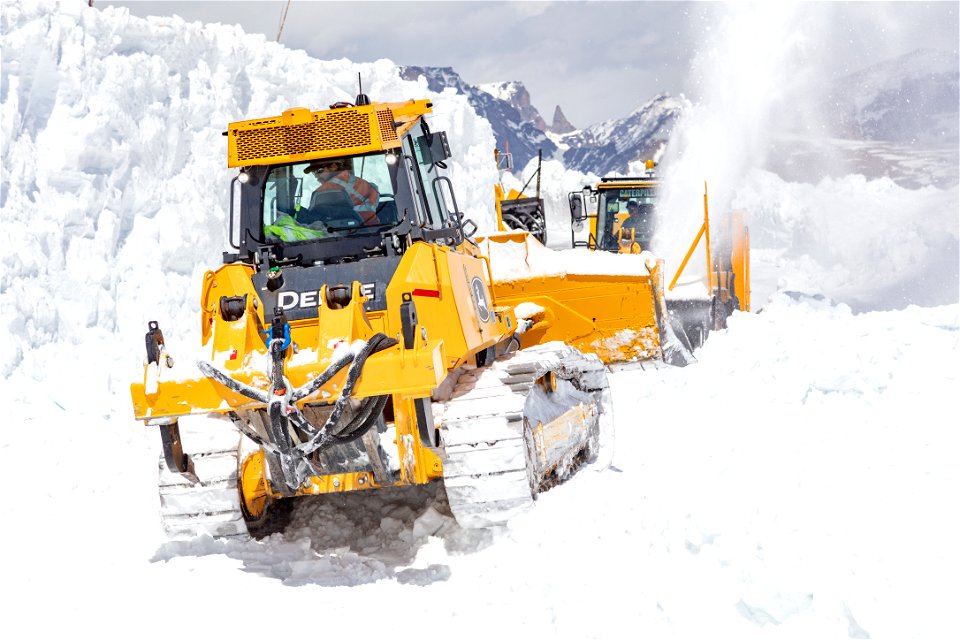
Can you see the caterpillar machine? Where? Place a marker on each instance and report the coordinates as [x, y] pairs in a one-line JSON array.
[[350, 353], [624, 221]]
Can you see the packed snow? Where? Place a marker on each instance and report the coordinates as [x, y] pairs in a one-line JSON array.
[[799, 480]]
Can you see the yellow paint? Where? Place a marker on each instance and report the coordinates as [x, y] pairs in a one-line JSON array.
[[718, 282], [563, 435], [300, 134], [255, 491], [612, 316]]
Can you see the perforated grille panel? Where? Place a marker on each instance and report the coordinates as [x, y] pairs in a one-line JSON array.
[[387, 131], [336, 130]]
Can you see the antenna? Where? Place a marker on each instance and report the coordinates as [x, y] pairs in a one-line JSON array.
[[283, 19], [362, 98]]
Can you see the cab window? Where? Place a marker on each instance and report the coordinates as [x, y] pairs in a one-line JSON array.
[[329, 198]]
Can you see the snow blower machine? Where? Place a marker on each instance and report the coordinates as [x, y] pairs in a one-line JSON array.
[[624, 221], [354, 341], [516, 212]]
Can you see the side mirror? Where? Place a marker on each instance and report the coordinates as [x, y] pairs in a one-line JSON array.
[[434, 147], [578, 226], [576, 206]]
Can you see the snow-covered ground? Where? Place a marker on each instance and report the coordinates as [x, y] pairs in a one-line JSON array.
[[798, 481]]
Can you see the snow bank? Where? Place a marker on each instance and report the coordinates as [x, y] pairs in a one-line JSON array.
[[871, 244], [115, 183], [800, 494]]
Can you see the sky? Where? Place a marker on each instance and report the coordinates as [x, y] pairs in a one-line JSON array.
[[597, 60]]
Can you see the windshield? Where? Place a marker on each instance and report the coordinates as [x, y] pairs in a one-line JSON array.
[[627, 209], [329, 198]]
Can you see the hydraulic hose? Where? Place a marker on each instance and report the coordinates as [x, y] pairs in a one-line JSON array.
[[377, 343], [332, 432]]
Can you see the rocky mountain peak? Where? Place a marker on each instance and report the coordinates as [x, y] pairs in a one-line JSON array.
[[560, 123], [506, 106], [516, 94]]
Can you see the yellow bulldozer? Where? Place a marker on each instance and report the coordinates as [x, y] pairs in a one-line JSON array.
[[623, 220], [613, 306], [354, 341]]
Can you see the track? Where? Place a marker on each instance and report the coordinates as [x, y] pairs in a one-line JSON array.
[[211, 506], [506, 438], [496, 458]]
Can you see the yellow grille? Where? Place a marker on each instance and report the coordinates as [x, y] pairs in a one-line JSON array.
[[387, 131], [337, 130], [300, 134]]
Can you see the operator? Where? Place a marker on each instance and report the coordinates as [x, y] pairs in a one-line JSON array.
[[639, 221], [337, 173]]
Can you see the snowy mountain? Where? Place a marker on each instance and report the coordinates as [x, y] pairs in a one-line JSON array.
[[517, 95], [511, 128], [912, 98], [907, 100], [896, 119], [600, 149], [612, 145]]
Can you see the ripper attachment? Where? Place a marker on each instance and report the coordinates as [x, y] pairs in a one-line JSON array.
[[176, 460], [296, 463]]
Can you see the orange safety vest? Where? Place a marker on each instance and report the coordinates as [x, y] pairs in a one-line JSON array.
[[362, 194]]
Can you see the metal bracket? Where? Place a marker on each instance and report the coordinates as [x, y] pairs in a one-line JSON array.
[[408, 320], [177, 461]]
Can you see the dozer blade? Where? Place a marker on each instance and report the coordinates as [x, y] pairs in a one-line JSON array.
[[616, 312]]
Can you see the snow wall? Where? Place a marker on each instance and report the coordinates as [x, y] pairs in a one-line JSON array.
[[115, 184]]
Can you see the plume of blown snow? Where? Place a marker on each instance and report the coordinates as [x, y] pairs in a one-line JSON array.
[[739, 73], [868, 243]]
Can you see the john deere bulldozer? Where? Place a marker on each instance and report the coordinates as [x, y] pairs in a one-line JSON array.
[[623, 220], [349, 352]]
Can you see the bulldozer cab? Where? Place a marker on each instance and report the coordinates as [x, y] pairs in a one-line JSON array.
[[329, 207], [625, 214]]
